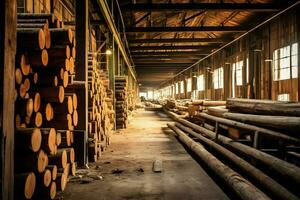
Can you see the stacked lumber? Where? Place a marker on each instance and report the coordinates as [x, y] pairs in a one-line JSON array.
[[250, 172], [121, 83], [198, 106], [45, 114], [101, 113]]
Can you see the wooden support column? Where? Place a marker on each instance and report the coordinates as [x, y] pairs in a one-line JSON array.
[[8, 18], [81, 72]]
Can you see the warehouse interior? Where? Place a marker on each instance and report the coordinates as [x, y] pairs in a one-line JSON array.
[[150, 99]]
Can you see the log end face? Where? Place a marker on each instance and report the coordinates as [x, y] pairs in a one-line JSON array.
[[29, 185], [36, 140], [41, 39], [53, 190], [44, 57]]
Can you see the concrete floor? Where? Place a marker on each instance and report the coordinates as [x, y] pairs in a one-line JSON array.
[[133, 151]]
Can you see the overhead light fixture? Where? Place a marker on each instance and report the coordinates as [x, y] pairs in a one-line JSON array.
[[257, 50], [108, 52], [227, 63]]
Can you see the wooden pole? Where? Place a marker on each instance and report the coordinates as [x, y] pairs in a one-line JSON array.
[[8, 24], [270, 185], [243, 188]]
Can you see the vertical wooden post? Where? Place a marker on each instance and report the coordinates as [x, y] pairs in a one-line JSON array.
[[8, 21], [82, 66]]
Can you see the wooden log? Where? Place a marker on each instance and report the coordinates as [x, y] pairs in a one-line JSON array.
[[217, 111], [66, 107], [263, 131], [31, 162], [60, 159], [58, 138], [72, 65], [31, 38], [36, 101], [75, 118], [277, 122], [65, 138], [24, 107], [70, 154], [53, 170], [282, 168], [36, 120], [61, 36], [53, 94], [18, 76], [73, 169], [47, 111], [264, 107], [24, 185], [44, 179], [49, 140], [214, 103], [33, 21], [31, 16], [60, 122], [43, 192], [269, 184], [242, 188], [23, 62], [28, 139], [59, 51], [58, 63], [61, 181]]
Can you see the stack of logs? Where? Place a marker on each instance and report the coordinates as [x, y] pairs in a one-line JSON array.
[[45, 113], [121, 101], [101, 113], [251, 153]]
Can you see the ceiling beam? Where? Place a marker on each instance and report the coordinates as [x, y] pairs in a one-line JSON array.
[[186, 29], [178, 40], [171, 53], [136, 48], [182, 7]]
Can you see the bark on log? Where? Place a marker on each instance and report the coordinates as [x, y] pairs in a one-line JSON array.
[[243, 188], [274, 188], [28, 38], [264, 107], [28, 138], [277, 122]]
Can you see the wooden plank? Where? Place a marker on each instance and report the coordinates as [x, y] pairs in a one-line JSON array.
[[7, 61]]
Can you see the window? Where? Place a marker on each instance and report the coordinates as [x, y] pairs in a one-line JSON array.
[[247, 70], [176, 88], [237, 73], [283, 97], [218, 78], [181, 87], [200, 83], [285, 62], [189, 85]]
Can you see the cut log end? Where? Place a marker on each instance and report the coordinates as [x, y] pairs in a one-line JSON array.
[[44, 57], [61, 94], [36, 140], [36, 102], [47, 177], [38, 119], [41, 39], [29, 185]]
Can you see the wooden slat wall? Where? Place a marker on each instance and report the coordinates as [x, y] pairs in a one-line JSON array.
[[258, 46]]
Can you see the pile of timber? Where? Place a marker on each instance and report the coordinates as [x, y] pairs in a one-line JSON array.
[[45, 113], [121, 84], [198, 106], [251, 173], [100, 110]]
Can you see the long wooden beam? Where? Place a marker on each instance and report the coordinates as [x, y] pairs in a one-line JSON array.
[[253, 7], [186, 29], [180, 40], [8, 35], [135, 48], [171, 53]]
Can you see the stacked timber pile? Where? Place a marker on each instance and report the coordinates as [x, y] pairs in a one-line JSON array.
[[250, 171], [101, 113], [121, 83], [45, 113], [198, 106]]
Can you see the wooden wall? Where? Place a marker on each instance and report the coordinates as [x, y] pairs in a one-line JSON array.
[[257, 47]]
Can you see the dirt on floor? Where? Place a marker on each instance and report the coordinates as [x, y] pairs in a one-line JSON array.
[[126, 168]]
